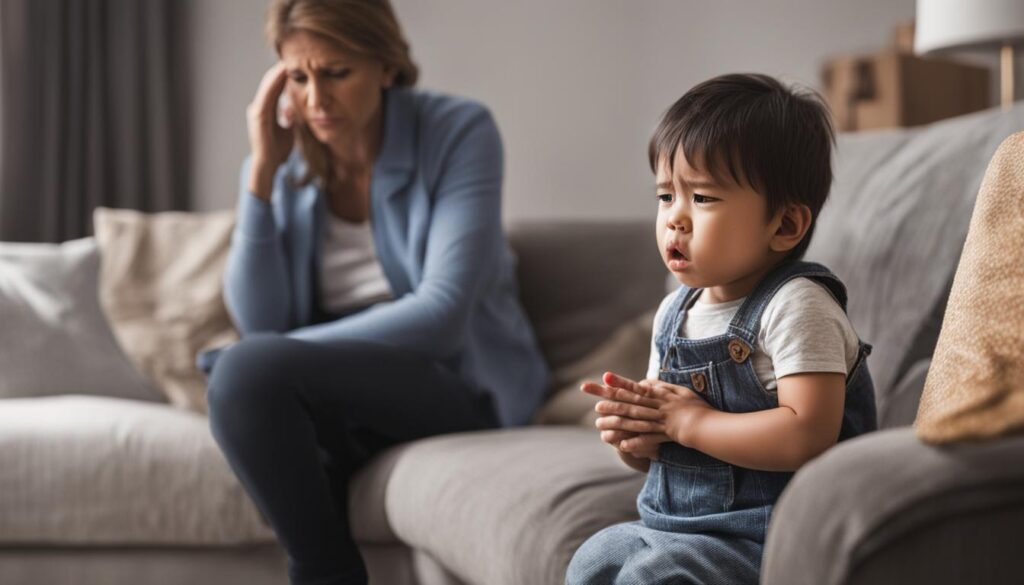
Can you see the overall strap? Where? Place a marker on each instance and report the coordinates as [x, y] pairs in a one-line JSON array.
[[746, 324], [672, 319]]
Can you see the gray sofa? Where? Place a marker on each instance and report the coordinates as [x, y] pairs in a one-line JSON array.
[[105, 490]]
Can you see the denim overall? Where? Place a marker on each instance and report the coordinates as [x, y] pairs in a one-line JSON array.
[[703, 520]]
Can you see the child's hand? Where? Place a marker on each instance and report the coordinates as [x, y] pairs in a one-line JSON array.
[[683, 408], [620, 389], [630, 422], [630, 406], [636, 446]]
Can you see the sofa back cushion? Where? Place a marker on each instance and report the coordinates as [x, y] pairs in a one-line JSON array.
[[580, 281], [894, 227]]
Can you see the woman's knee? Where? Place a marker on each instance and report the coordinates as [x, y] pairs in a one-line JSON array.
[[249, 377]]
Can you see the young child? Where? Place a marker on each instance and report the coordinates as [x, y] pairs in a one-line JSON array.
[[755, 368]]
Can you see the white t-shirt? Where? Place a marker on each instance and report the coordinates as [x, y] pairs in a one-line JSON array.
[[350, 275], [803, 329]]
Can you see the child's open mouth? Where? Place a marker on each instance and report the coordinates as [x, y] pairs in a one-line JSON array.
[[676, 259]]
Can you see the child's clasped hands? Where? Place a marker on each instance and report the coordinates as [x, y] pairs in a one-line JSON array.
[[637, 416]]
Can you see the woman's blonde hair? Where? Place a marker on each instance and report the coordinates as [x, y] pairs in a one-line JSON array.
[[367, 28]]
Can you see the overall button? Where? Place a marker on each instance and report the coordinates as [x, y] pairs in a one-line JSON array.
[[699, 381], [739, 351]]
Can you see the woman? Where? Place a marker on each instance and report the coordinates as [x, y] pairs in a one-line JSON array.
[[368, 275]]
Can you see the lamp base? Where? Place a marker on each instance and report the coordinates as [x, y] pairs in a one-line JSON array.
[[1006, 80]]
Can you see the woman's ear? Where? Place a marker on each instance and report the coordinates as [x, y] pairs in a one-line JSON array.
[[792, 222]]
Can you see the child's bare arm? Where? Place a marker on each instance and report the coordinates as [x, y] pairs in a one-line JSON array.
[[805, 424]]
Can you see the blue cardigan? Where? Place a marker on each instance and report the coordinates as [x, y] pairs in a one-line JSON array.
[[435, 204]]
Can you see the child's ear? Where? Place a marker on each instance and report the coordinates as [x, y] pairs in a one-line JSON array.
[[792, 223]]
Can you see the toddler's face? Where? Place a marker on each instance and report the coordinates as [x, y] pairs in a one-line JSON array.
[[711, 236]]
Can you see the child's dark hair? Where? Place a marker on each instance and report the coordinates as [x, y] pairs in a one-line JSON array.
[[754, 130]]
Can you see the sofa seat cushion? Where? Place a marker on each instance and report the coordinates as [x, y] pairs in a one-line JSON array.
[[509, 506], [99, 470]]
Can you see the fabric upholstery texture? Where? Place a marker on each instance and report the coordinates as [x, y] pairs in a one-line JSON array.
[[894, 227], [84, 470], [260, 564], [979, 547], [249, 565], [885, 487], [904, 398], [511, 506], [161, 287], [90, 470], [975, 386], [625, 352], [54, 338], [562, 270]]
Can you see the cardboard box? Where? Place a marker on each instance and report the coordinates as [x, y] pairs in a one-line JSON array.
[[894, 88]]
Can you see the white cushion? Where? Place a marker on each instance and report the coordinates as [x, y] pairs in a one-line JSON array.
[[96, 470], [54, 338]]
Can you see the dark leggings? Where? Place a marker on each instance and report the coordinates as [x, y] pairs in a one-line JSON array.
[[295, 419]]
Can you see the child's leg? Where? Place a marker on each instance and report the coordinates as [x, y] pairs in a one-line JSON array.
[[600, 558], [633, 554], [694, 559]]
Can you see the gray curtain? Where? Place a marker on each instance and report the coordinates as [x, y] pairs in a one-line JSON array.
[[94, 112]]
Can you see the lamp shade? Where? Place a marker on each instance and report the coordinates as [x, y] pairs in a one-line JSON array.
[[950, 24]]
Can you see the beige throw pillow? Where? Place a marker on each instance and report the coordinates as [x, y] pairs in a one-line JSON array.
[[975, 387], [626, 352], [160, 285]]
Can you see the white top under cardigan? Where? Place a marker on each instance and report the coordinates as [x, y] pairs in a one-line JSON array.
[[351, 275]]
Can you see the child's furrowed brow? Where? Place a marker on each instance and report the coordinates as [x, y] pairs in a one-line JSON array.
[[701, 184], [664, 185]]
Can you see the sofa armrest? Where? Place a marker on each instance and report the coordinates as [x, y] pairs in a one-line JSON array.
[[886, 508]]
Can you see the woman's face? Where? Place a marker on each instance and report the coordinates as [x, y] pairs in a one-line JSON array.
[[335, 93]]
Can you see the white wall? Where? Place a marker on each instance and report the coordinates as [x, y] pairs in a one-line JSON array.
[[228, 57], [576, 85]]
